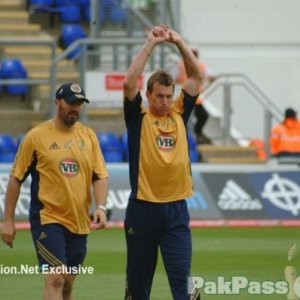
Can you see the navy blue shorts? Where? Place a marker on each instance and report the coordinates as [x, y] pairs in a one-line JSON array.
[[55, 245]]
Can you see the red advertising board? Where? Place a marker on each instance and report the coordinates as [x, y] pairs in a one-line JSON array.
[[114, 82]]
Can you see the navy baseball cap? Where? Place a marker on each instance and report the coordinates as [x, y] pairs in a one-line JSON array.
[[71, 93]]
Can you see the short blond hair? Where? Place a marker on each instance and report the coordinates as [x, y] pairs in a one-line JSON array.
[[161, 77]]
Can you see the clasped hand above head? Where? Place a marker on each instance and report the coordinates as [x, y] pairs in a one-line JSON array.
[[162, 33]]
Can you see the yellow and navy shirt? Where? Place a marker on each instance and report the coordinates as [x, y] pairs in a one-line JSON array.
[[160, 169], [63, 166]]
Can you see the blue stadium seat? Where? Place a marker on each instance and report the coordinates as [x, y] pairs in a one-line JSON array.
[[194, 155], [108, 141], [103, 15], [14, 69], [114, 11], [7, 143], [113, 156], [41, 3], [110, 146], [69, 34], [46, 6], [7, 157], [118, 15], [124, 145], [69, 10], [17, 89], [105, 10], [110, 11], [8, 148], [43, 6], [192, 141], [84, 3], [70, 14], [65, 2], [19, 139], [86, 13]]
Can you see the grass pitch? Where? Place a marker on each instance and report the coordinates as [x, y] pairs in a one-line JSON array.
[[258, 253]]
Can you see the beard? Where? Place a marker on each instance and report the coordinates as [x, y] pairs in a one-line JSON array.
[[71, 119], [68, 118]]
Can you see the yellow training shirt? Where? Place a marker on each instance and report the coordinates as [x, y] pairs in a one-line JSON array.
[[63, 165], [158, 151]]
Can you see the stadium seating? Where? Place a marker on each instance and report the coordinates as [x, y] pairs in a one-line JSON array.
[[14, 69], [69, 34], [41, 3], [113, 156], [19, 139], [8, 148], [191, 140], [108, 140], [103, 15], [65, 2], [69, 14], [194, 155], [110, 12], [124, 145], [43, 6], [69, 11], [110, 146], [83, 3], [118, 14]]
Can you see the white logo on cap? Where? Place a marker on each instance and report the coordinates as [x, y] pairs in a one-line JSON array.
[[79, 96], [75, 88]]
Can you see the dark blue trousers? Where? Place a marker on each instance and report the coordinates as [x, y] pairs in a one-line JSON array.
[[148, 227]]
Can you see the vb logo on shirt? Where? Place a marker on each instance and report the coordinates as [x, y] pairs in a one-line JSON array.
[[165, 142], [69, 167]]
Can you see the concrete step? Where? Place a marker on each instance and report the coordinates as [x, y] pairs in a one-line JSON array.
[[39, 53], [13, 5], [41, 92], [44, 65], [228, 154], [99, 112], [20, 29], [10, 101], [106, 120], [18, 121], [13, 17], [66, 76], [235, 160]]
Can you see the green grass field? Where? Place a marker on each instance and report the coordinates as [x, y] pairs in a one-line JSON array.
[[257, 253]]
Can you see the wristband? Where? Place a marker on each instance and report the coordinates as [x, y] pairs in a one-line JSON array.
[[102, 207]]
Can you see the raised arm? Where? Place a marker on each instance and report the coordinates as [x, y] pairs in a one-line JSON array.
[[156, 36], [194, 78]]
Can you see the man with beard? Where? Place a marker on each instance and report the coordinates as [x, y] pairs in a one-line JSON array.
[[64, 159]]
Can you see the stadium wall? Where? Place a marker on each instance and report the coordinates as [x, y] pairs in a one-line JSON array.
[[258, 38], [240, 194]]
